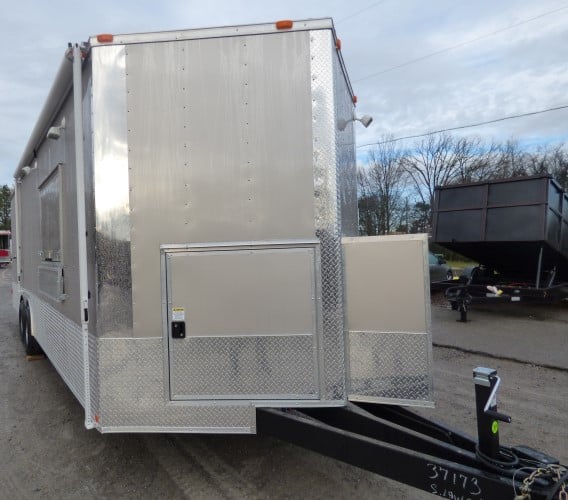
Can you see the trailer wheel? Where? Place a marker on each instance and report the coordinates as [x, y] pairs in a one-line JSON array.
[[22, 321], [30, 342]]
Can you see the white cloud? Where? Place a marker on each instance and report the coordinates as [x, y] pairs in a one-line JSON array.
[[518, 70]]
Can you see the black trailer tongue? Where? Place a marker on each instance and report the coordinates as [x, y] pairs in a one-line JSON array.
[[397, 443]]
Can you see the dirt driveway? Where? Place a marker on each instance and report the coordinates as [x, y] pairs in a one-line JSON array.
[[45, 452]]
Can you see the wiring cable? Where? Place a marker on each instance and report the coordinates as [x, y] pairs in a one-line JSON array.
[[460, 127], [360, 11], [461, 44]]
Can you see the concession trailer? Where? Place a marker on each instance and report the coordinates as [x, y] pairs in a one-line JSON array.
[[186, 255], [186, 229]]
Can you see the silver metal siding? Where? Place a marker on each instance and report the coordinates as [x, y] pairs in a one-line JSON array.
[[208, 167], [219, 136], [51, 155], [110, 179]]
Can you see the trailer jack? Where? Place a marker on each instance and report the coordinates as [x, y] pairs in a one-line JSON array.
[[406, 447]]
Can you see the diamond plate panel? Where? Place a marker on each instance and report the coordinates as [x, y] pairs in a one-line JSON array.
[[94, 381], [390, 366], [267, 367], [327, 213], [62, 341], [16, 293], [132, 394]]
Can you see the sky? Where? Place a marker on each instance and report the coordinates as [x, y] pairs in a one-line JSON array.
[[416, 66]]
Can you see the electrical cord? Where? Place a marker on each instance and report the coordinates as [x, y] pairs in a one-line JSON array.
[[510, 460]]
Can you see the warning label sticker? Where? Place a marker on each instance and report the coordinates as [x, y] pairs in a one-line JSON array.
[[178, 314]]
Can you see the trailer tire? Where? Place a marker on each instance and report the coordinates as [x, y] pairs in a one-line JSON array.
[[22, 321], [30, 342]]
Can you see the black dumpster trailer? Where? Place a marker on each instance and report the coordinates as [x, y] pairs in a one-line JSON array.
[[516, 229]]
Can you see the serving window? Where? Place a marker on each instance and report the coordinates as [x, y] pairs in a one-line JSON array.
[[50, 206], [50, 270]]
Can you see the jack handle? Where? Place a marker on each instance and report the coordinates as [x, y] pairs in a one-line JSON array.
[[494, 380]]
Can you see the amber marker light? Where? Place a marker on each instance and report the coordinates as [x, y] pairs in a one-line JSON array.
[[105, 38], [284, 25]]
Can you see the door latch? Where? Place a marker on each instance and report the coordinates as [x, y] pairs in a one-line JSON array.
[[178, 329]]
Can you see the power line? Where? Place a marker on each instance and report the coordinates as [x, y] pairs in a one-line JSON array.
[[447, 49], [360, 11], [511, 117]]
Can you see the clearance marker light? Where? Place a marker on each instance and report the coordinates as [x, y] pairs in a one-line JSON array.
[[284, 25], [338, 44], [105, 38]]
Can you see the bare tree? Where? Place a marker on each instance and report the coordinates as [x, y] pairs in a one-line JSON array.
[[434, 163], [368, 205], [510, 161], [558, 164], [386, 175], [551, 160], [475, 160]]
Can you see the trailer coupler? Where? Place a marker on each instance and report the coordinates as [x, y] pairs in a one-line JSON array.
[[406, 447]]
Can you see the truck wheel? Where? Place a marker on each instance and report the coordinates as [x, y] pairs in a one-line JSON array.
[[32, 346]]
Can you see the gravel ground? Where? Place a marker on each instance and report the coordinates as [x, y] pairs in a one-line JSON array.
[[46, 452]]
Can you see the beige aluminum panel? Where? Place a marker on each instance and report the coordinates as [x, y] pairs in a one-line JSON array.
[[385, 285], [245, 292], [220, 149], [388, 319]]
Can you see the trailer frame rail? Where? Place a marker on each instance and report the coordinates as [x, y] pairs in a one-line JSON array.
[[398, 444]]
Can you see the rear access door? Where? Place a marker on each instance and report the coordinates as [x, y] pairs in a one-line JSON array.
[[242, 321]]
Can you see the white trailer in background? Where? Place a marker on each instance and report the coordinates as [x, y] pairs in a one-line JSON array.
[[5, 247], [186, 228]]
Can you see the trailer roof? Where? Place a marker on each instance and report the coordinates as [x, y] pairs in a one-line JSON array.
[[63, 80], [216, 32]]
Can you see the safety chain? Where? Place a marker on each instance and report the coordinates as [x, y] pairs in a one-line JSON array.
[[556, 473]]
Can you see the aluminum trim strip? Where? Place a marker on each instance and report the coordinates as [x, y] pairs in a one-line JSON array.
[[178, 430], [392, 401], [196, 247], [214, 32]]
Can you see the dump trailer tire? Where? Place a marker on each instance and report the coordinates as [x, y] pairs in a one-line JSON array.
[[30, 342]]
